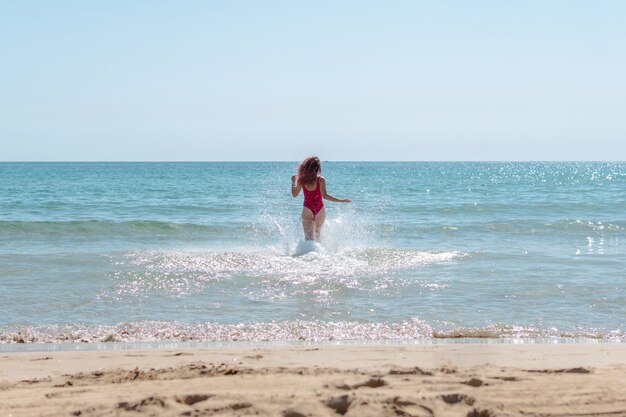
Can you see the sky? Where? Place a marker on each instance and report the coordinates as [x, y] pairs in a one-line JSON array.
[[280, 80]]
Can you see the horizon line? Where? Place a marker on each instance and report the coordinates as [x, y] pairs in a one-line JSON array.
[[296, 160]]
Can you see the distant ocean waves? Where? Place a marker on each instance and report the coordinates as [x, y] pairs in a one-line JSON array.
[[106, 228], [134, 228], [285, 331]]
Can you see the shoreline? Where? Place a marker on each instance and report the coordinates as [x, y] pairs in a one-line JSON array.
[[160, 345], [317, 379]]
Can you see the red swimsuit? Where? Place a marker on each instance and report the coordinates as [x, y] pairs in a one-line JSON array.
[[313, 199]]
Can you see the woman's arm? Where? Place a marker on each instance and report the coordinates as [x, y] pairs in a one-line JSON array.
[[295, 187], [329, 197]]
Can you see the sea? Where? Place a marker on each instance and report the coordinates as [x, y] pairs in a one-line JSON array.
[[107, 254]]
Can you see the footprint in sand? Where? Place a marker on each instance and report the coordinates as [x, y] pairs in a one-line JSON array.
[[140, 405], [474, 382], [192, 398], [410, 371], [179, 354], [371, 383], [506, 378], [339, 404], [293, 413], [561, 371], [457, 398], [480, 413]]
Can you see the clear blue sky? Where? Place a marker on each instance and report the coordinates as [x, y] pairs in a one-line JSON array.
[[346, 80]]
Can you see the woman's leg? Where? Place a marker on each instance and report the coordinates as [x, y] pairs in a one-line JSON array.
[[308, 223], [319, 222]]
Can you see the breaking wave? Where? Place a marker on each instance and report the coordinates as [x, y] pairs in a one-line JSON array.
[[285, 331]]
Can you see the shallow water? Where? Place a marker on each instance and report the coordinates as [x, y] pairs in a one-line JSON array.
[[149, 252]]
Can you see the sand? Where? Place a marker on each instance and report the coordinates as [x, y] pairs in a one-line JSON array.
[[453, 379]]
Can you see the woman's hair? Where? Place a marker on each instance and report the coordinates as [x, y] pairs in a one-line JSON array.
[[308, 170]]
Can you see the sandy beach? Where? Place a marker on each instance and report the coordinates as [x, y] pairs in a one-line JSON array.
[[320, 380]]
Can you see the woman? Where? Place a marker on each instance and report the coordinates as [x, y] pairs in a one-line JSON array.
[[314, 187]]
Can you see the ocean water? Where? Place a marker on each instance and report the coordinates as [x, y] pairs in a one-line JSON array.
[[213, 252]]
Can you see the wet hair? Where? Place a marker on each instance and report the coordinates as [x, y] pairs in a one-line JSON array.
[[308, 170]]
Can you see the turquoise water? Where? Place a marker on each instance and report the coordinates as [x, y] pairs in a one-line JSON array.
[[137, 252]]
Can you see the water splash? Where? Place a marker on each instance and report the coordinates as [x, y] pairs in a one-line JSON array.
[[343, 230]]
